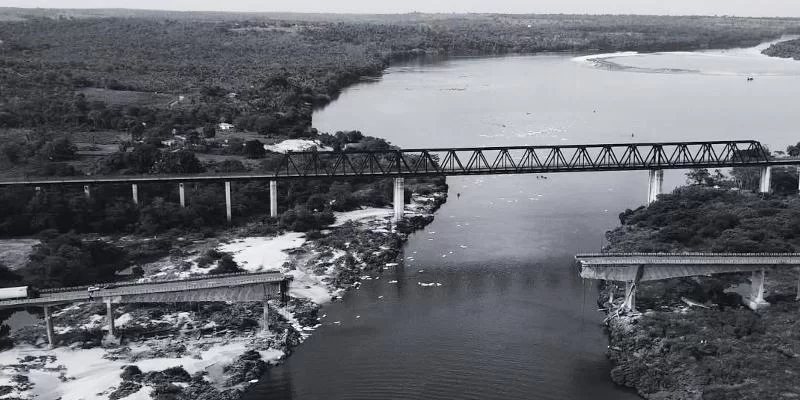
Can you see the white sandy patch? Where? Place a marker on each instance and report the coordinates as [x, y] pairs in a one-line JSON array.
[[94, 376], [296, 145], [362, 215], [255, 254], [271, 355], [123, 320]]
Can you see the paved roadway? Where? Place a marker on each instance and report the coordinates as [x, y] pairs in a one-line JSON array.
[[68, 295]]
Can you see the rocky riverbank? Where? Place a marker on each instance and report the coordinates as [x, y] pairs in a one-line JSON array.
[[211, 350], [692, 338]]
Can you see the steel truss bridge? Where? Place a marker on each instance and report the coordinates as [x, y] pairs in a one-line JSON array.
[[474, 161]]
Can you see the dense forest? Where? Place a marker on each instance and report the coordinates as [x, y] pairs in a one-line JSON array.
[[720, 349]]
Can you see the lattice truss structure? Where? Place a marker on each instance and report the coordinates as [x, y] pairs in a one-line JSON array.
[[524, 159]]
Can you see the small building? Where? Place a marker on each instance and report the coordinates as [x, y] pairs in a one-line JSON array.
[[224, 126]]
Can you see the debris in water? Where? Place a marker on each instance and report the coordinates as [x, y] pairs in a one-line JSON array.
[[393, 281], [463, 247]]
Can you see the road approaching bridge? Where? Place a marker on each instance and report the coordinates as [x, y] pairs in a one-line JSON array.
[[653, 157], [633, 268], [240, 287]]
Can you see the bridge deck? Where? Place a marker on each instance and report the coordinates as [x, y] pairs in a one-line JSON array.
[[473, 161], [654, 266], [150, 291]]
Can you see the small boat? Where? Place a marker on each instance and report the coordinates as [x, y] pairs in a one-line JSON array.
[[750, 79]]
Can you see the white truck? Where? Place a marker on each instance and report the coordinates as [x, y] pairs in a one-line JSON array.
[[20, 292]]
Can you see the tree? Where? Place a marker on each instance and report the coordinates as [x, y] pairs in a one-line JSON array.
[[254, 149], [209, 131], [793, 150], [178, 162], [698, 176], [226, 265], [59, 150], [143, 157]]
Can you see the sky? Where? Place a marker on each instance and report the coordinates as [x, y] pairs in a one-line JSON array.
[[778, 8]]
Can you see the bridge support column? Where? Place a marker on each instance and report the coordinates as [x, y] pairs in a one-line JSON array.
[[630, 297], [135, 193], [798, 181], [797, 298], [273, 199], [110, 318], [87, 191], [228, 200], [265, 318], [48, 324], [182, 194], [399, 198], [654, 188], [766, 178], [756, 298]]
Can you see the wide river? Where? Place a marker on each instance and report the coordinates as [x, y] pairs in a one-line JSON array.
[[512, 319]]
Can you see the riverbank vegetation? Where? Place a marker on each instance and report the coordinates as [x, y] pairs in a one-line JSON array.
[[787, 49], [720, 349]]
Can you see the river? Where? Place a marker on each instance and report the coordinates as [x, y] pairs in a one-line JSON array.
[[512, 319]]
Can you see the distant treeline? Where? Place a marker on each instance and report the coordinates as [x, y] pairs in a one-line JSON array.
[[266, 75]]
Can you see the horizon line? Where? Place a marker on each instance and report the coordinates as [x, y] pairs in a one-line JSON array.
[[399, 13]]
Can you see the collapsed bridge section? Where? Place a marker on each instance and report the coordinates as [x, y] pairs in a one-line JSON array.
[[632, 268]]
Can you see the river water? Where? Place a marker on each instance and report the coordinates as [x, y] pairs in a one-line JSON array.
[[512, 319]]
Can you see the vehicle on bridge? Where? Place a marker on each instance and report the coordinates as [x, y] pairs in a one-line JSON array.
[[20, 292]]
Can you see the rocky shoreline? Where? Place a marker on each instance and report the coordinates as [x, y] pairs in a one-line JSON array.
[[211, 351]]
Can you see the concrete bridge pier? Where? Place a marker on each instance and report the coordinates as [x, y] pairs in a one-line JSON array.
[[629, 304], [655, 185], [265, 317], [110, 318], [87, 191], [797, 298], [399, 198], [798, 181], [756, 298], [766, 178], [135, 193], [182, 194], [273, 199], [228, 200], [48, 323]]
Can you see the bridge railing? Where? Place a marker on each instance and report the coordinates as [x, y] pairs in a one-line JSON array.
[[471, 161]]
